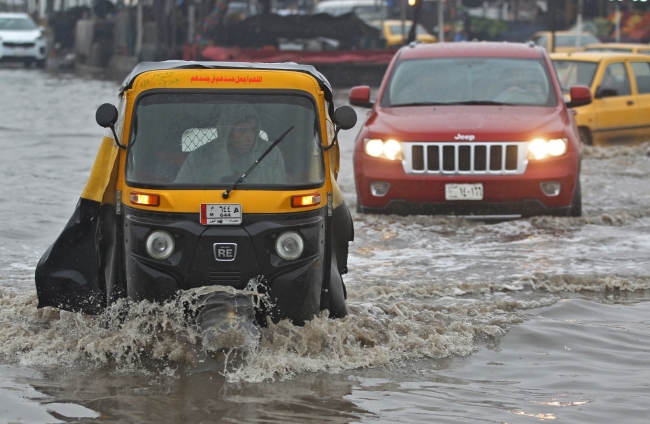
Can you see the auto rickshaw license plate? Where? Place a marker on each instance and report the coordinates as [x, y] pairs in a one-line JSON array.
[[220, 214]]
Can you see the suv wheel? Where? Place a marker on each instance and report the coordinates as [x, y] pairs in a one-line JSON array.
[[576, 204], [585, 136]]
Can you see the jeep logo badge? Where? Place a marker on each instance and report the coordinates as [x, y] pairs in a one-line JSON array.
[[225, 251], [465, 137]]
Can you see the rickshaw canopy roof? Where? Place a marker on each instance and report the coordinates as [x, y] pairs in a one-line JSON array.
[[182, 64]]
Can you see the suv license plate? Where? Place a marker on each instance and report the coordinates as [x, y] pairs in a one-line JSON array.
[[220, 214], [463, 191]]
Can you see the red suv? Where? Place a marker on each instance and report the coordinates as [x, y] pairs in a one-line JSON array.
[[475, 129]]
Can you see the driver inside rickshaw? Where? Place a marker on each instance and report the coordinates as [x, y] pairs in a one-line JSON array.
[[226, 161]]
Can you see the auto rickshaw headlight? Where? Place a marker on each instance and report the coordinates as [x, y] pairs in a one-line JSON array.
[[289, 245], [160, 245]]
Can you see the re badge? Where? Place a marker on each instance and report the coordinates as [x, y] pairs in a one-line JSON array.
[[225, 251]]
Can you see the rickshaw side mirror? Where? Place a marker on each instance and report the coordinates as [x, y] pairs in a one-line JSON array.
[[345, 117], [106, 115]]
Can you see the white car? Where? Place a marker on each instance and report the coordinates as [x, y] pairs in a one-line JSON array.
[[21, 40], [367, 10]]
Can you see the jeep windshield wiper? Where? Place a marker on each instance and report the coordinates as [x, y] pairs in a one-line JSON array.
[[275, 143], [419, 104], [467, 102], [481, 103]]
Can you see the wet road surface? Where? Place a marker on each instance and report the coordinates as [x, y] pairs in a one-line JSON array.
[[451, 320]]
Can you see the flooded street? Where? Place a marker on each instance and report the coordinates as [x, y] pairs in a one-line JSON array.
[[452, 320]]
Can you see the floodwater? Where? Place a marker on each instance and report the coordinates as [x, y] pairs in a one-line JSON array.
[[531, 320]]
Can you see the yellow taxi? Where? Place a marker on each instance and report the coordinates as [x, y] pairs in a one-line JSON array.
[[617, 48], [620, 86], [392, 32], [565, 41]]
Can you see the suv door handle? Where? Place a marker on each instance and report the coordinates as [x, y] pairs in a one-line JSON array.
[[630, 102]]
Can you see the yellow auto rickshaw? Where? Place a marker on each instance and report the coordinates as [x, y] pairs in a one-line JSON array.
[[210, 175]]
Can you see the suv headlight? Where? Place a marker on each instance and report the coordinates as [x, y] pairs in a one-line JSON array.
[[389, 149], [160, 244], [541, 149]]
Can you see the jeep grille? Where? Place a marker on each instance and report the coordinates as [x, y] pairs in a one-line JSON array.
[[465, 158]]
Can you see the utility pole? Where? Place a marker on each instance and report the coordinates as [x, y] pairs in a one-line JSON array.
[[441, 22], [139, 30], [172, 11], [403, 12], [551, 15], [579, 24], [617, 20], [191, 22], [416, 20]]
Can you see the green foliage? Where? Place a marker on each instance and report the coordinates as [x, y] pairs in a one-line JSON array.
[[604, 27], [484, 28]]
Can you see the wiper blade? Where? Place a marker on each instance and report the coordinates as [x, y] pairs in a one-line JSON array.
[[467, 102], [275, 143], [419, 104], [481, 103]]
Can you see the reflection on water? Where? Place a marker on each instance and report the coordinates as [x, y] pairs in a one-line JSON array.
[[450, 320]]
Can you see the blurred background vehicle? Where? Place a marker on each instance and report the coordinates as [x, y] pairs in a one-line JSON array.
[[395, 33], [620, 86], [241, 10], [564, 41], [617, 48], [367, 10], [22, 40]]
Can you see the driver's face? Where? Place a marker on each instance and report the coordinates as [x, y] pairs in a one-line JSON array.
[[243, 135]]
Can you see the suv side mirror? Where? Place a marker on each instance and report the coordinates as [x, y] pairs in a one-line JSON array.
[[606, 92], [345, 117], [360, 96], [579, 95]]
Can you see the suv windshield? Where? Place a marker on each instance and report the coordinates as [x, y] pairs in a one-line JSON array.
[[470, 80], [17, 24], [573, 72], [190, 140]]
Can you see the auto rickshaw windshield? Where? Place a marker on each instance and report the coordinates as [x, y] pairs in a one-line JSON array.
[[187, 140]]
